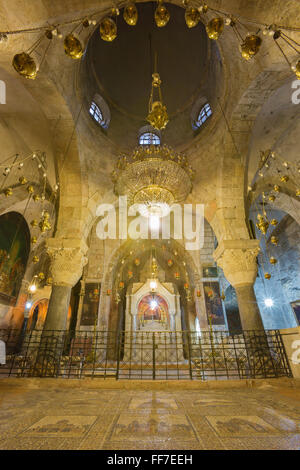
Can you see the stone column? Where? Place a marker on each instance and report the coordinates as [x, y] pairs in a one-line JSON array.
[[67, 262], [80, 305], [237, 258]]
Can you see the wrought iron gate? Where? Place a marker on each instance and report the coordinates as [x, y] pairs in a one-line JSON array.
[[145, 355]]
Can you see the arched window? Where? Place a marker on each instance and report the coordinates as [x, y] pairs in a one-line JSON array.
[[96, 113], [203, 115], [149, 138]]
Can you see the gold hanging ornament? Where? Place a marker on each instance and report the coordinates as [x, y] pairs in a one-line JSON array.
[[158, 116], [296, 69], [108, 29], [274, 240], [276, 188], [161, 15], [273, 260], [274, 222], [250, 46], [192, 17], [267, 276], [44, 223], [272, 198], [8, 192], [22, 180], [130, 14], [284, 179], [73, 47], [215, 28], [25, 65], [262, 224]]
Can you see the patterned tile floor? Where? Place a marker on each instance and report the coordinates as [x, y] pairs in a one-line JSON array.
[[42, 417]]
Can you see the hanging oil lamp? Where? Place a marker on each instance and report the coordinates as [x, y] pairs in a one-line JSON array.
[[130, 14], [274, 240], [8, 192], [73, 47], [273, 260], [250, 46], [268, 276], [158, 116], [192, 17], [25, 65], [161, 15], [215, 28], [108, 29], [262, 224]]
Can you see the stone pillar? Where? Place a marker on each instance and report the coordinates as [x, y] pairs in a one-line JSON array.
[[237, 258], [80, 305], [67, 262]]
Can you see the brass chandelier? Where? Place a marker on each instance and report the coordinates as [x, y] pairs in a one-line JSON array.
[[155, 177]]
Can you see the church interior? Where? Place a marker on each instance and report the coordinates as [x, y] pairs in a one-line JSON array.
[[150, 224]]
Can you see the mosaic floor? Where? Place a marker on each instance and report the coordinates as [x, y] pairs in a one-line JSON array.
[[264, 417]]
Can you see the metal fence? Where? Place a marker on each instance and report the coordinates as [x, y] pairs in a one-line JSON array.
[[144, 354]]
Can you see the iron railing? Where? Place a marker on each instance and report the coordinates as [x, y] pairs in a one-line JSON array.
[[144, 354]]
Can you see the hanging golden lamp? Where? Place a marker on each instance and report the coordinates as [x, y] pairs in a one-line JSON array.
[[161, 15], [272, 198], [25, 65], [274, 222], [274, 240], [8, 192], [273, 260], [73, 47], [262, 224], [130, 14], [267, 276], [215, 28], [192, 17], [284, 179], [158, 116], [296, 69], [22, 180], [108, 29], [250, 46], [276, 188]]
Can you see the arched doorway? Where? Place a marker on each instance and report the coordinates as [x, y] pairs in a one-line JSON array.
[[38, 313], [153, 313]]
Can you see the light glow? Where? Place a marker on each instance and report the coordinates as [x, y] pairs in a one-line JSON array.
[[154, 222], [28, 305], [32, 288], [153, 304], [153, 285], [269, 303]]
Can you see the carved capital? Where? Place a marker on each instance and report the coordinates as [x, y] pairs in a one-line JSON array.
[[67, 260], [237, 258]]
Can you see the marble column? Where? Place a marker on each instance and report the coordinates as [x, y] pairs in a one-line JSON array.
[[67, 262], [237, 258]]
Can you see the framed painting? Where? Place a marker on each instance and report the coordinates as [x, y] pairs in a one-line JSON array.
[[213, 303]]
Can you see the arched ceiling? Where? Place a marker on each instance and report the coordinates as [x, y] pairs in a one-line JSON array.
[[120, 71]]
